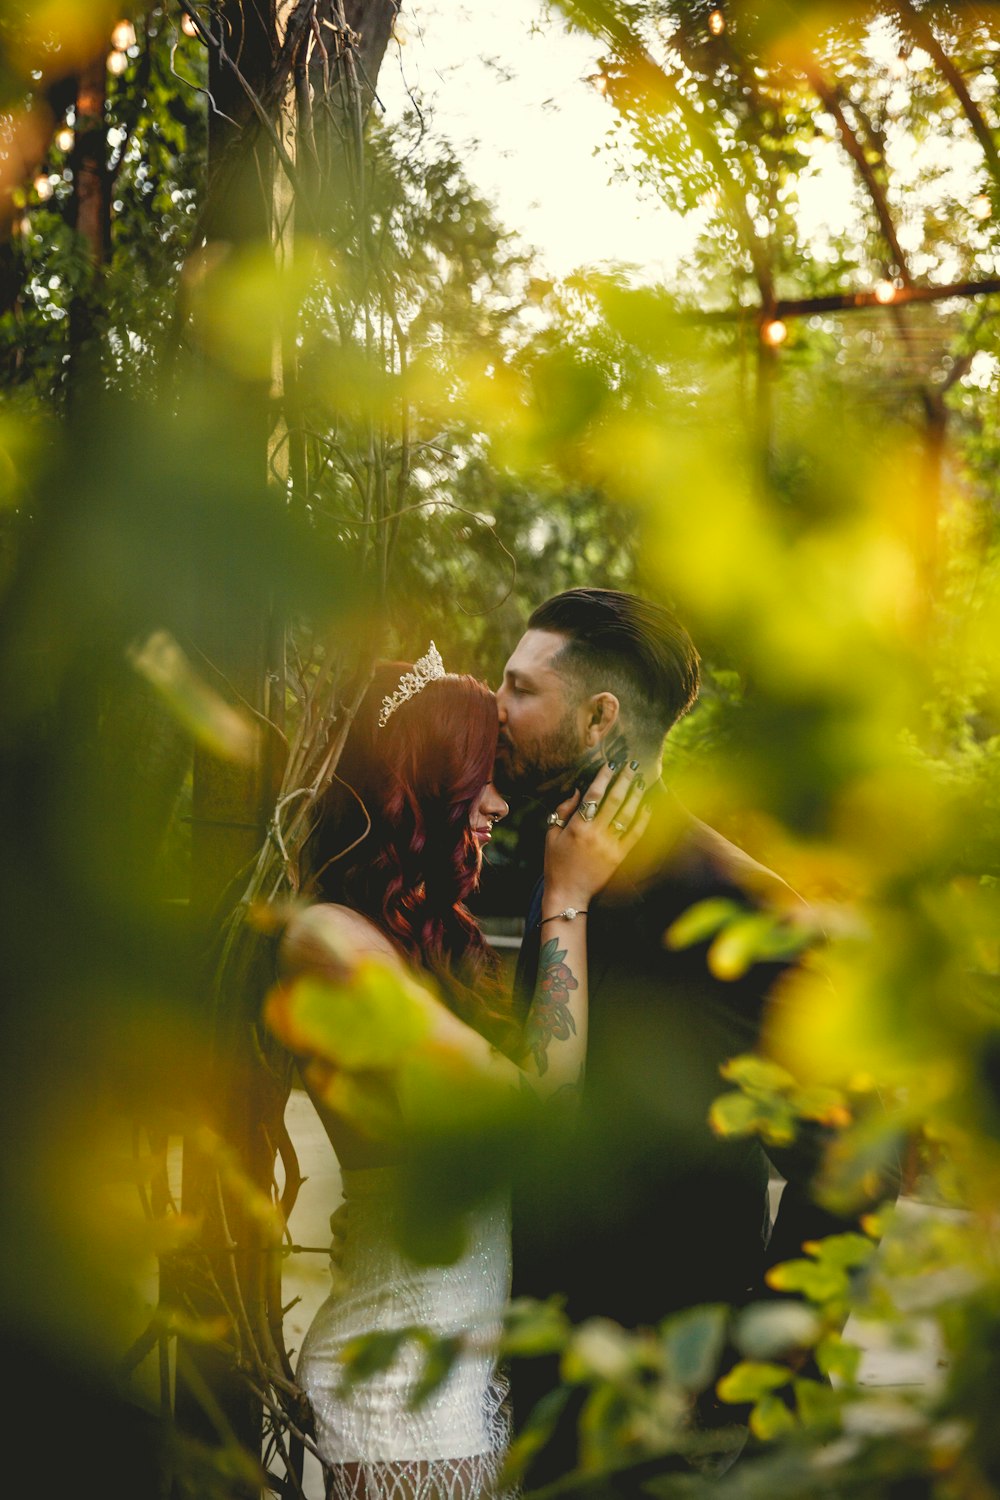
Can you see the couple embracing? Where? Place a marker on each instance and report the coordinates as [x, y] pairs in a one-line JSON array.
[[672, 1216]]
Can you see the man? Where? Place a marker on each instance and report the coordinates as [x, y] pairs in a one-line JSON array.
[[649, 1212]]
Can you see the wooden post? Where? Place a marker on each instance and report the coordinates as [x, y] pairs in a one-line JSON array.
[[231, 801], [91, 216]]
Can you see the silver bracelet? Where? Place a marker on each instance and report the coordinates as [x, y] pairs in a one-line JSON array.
[[567, 914]]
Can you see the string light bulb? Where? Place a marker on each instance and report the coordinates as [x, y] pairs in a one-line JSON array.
[[64, 138], [43, 187], [117, 63], [123, 36], [980, 207], [899, 67], [188, 25], [885, 292], [716, 23], [774, 332], [600, 82]]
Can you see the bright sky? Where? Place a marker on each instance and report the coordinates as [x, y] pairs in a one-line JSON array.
[[506, 83], [508, 86]]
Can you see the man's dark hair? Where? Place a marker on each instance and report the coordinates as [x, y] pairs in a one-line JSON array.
[[628, 646]]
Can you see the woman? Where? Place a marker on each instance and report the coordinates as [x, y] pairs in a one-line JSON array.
[[399, 848]]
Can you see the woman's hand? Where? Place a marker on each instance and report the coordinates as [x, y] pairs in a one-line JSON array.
[[590, 835]]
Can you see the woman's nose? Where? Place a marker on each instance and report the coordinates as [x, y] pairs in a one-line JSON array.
[[498, 808]]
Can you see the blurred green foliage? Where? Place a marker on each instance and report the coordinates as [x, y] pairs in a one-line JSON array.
[[399, 428]]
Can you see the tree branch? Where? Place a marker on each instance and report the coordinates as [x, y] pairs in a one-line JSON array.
[[924, 34], [856, 151]]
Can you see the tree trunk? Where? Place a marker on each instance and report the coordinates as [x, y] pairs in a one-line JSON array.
[[255, 197], [91, 212], [230, 800]]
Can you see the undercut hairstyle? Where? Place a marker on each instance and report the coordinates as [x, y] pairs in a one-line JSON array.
[[393, 839], [638, 650]]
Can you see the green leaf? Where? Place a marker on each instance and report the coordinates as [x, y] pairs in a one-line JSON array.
[[820, 1283], [778, 1126], [599, 1350], [771, 1418], [701, 921], [750, 1380], [198, 708], [845, 1251], [371, 1353], [836, 1357], [757, 1074], [368, 1024], [740, 945], [692, 1344], [534, 1435], [439, 1361], [827, 1106], [818, 1405], [735, 1114], [194, 1330], [782, 939], [601, 1420], [532, 1327], [767, 1329]]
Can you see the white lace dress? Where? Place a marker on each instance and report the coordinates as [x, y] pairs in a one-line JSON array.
[[452, 1446]]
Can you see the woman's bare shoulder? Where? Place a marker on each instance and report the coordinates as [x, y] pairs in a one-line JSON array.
[[315, 935]]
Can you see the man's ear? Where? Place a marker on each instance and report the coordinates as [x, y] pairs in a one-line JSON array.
[[602, 715]]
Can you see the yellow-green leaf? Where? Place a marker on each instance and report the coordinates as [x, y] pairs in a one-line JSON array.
[[842, 1250], [734, 1114], [818, 1282], [532, 1327], [836, 1357], [701, 921], [750, 1380], [534, 1435], [771, 1418], [818, 1405], [757, 1074], [371, 1353], [739, 946], [369, 1024]]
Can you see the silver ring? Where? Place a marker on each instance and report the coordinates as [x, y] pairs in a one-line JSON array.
[[618, 827], [555, 821], [588, 811]]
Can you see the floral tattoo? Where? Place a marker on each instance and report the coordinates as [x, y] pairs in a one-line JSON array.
[[550, 1018]]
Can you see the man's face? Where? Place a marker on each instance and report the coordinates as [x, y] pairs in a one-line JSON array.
[[542, 730]]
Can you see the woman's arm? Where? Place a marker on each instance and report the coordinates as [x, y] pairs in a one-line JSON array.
[[340, 946], [580, 859]]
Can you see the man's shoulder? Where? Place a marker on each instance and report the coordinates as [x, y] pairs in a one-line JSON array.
[[703, 857], [687, 861]]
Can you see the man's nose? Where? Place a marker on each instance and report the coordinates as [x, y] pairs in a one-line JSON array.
[[501, 704]]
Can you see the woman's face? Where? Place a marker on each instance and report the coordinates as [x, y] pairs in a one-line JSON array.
[[484, 812]]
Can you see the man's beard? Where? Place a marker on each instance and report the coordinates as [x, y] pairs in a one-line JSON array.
[[548, 768]]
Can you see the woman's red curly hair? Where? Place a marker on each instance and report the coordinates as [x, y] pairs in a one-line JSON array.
[[394, 840]]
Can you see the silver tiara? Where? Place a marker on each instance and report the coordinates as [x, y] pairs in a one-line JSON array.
[[427, 669]]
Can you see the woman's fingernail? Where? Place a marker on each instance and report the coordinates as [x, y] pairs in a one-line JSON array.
[[640, 782], [612, 765], [633, 765]]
